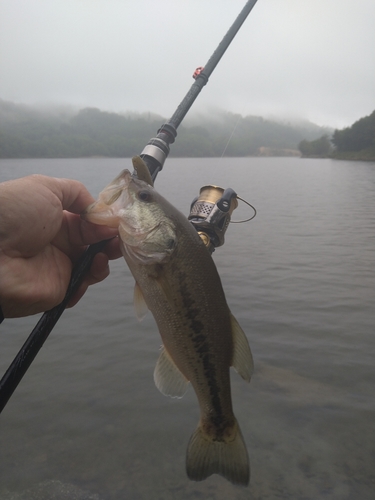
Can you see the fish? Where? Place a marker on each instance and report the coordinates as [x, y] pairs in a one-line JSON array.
[[177, 280]]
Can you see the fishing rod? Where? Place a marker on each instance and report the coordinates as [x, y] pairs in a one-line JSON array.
[[157, 150], [154, 155]]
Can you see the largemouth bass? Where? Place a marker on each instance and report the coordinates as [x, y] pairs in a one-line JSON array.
[[177, 280]]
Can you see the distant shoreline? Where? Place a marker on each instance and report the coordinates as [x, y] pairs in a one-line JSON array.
[[365, 155], [342, 157]]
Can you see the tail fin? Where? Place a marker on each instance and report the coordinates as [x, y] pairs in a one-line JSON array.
[[229, 458]]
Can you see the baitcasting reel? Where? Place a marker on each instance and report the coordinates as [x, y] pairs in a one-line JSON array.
[[211, 211]]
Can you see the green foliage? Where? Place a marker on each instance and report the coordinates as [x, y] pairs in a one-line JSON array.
[[361, 135], [320, 148], [27, 132], [193, 142], [352, 143]]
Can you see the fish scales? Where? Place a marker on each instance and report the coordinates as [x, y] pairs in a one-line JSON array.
[[181, 316], [177, 280]]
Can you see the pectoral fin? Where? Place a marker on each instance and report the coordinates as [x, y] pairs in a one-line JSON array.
[[166, 288], [168, 378], [140, 305], [242, 360]]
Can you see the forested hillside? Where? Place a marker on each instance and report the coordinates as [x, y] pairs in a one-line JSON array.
[[26, 132], [352, 143], [357, 141]]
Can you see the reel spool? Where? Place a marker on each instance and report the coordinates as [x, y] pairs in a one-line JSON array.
[[210, 214], [211, 211]]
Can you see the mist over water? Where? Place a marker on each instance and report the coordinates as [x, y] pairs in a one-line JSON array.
[[87, 421]]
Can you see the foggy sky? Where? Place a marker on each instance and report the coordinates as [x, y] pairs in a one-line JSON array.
[[313, 59]]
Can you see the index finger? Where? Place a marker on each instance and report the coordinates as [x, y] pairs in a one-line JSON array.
[[72, 194]]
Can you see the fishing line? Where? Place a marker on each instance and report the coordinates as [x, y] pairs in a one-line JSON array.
[[238, 197], [230, 138]]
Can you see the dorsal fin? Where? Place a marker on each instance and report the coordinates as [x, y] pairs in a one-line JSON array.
[[142, 170]]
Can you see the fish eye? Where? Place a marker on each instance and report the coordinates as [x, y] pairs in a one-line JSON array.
[[144, 195]]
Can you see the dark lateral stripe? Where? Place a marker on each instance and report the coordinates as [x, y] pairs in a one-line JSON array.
[[201, 346]]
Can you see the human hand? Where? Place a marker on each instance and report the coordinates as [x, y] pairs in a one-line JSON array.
[[41, 237]]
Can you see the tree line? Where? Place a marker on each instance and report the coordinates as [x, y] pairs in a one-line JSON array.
[[356, 142], [31, 133]]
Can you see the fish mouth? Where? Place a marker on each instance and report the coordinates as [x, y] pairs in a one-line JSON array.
[[112, 200], [99, 213]]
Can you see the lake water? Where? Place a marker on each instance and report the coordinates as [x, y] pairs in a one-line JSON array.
[[87, 422]]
